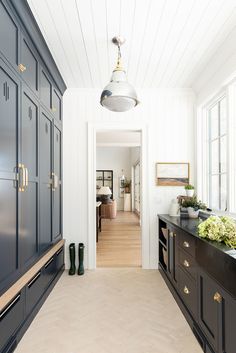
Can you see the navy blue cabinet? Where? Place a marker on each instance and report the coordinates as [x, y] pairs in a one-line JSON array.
[[57, 185], [9, 36], [9, 133]]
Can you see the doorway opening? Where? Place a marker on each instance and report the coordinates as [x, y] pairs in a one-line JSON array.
[[141, 220], [118, 233]]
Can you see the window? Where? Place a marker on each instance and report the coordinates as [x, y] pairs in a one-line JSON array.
[[217, 158]]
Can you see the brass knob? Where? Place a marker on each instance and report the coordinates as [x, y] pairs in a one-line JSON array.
[[186, 244], [217, 297], [186, 263], [186, 290], [54, 109], [21, 67], [171, 234]]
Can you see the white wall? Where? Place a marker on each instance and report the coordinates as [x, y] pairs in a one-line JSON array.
[[116, 159], [220, 69], [134, 155], [169, 117]]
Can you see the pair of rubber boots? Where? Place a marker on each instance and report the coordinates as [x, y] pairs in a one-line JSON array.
[[72, 269]]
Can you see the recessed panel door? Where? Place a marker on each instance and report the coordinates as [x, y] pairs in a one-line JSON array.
[[9, 102], [29, 65], [56, 104], [57, 185], [9, 35], [46, 132], [45, 90], [29, 196]]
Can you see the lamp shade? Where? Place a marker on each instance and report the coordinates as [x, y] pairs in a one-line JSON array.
[[119, 95], [104, 190]]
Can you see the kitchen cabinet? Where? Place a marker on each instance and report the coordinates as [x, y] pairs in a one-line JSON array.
[[204, 295]]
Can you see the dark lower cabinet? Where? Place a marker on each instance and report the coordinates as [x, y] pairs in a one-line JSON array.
[[33, 291], [11, 317], [208, 307]]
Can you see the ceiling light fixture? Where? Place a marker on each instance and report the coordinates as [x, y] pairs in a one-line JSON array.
[[119, 95]]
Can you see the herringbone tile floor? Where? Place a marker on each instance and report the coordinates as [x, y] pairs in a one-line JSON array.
[[110, 311]]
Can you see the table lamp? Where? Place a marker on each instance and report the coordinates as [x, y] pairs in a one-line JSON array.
[[105, 193]]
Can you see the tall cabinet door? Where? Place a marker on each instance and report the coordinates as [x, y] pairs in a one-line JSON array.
[[46, 134], [28, 242], [57, 192], [9, 107]]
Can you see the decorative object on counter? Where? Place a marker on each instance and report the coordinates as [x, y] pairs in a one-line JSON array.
[[105, 193], [189, 190], [72, 259], [193, 206], [118, 95], [174, 208], [81, 259], [172, 174], [220, 229]]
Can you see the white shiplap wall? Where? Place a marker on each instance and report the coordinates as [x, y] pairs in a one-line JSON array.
[[169, 118]]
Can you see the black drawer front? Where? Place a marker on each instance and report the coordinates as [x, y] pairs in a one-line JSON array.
[[49, 271], [187, 242], [34, 290], [188, 291], [11, 317], [187, 263], [59, 259]]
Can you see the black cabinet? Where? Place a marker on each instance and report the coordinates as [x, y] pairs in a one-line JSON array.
[[33, 291], [207, 303]]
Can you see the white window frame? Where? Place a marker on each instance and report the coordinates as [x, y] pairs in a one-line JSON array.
[[202, 153]]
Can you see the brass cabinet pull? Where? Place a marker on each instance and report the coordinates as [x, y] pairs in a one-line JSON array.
[[54, 109], [186, 244], [186, 290], [21, 177], [217, 297], [22, 67], [186, 263], [26, 176], [54, 182], [171, 234]]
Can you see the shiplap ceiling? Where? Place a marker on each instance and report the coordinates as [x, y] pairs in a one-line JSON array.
[[168, 42]]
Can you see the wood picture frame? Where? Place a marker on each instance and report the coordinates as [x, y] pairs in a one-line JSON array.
[[172, 174]]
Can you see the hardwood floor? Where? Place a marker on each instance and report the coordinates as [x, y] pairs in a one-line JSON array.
[[119, 243]]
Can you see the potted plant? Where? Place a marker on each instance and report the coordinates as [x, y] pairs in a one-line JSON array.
[[193, 206], [189, 190]]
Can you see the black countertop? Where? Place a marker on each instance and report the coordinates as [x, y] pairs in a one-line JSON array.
[[190, 225]]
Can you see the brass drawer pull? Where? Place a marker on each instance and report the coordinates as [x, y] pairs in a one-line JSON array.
[[22, 67], [217, 297], [186, 290], [186, 244], [54, 109], [34, 279], [9, 306], [171, 234], [48, 263], [186, 263]]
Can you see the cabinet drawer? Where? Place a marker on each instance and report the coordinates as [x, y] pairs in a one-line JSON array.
[[34, 290], [59, 259], [187, 242], [49, 271], [188, 291], [187, 262], [11, 317]]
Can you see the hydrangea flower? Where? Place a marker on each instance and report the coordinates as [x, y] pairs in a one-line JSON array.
[[220, 229]]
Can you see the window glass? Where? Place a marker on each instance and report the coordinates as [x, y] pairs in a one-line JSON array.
[[214, 192], [223, 121], [223, 193], [223, 154], [214, 122], [215, 157]]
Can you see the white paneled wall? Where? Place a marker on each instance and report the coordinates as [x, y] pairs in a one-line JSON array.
[[169, 118]]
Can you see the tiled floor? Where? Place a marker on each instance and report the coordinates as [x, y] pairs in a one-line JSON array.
[[110, 311]]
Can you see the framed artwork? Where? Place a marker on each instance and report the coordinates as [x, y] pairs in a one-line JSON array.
[[172, 174]]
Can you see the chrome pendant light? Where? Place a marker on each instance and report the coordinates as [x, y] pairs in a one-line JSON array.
[[118, 95]]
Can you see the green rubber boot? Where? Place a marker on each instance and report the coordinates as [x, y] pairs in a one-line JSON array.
[[72, 259], [81, 259]]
